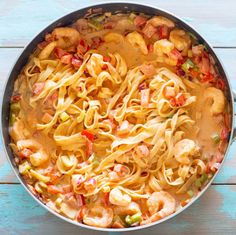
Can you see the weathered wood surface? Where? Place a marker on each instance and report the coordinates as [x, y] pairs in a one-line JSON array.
[[214, 213], [20, 20]]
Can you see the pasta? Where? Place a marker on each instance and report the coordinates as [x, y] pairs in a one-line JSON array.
[[119, 121]]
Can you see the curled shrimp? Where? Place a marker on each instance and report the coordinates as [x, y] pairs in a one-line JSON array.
[[17, 130], [160, 20], [184, 149], [137, 40], [98, 216], [131, 209], [66, 37], [116, 197], [114, 37], [217, 98], [181, 40], [38, 156], [160, 204]]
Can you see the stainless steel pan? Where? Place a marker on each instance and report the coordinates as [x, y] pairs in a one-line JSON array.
[[67, 20]]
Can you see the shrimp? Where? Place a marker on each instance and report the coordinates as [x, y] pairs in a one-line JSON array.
[[160, 20], [17, 130], [39, 156], [98, 216], [116, 197], [181, 40], [131, 209], [114, 37], [184, 149], [66, 37], [160, 204], [137, 40], [217, 97]]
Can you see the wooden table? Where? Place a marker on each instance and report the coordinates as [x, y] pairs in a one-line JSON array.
[[214, 213]]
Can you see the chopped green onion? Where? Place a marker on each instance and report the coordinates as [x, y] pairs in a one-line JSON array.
[[136, 218], [128, 220], [133, 219], [198, 183], [64, 116], [12, 119], [100, 18], [203, 178], [190, 193], [215, 138], [132, 16], [93, 23], [15, 107], [24, 168], [187, 65]]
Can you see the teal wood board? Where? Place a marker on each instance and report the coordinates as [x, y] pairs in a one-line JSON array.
[[214, 213]]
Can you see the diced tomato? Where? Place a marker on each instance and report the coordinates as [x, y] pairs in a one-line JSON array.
[[148, 70], [106, 198], [89, 148], [54, 176], [54, 189], [193, 73], [204, 65], [81, 213], [208, 78], [47, 118], [38, 88], [180, 72], [149, 30], [176, 55], [109, 25], [142, 86], [66, 59], [60, 52], [224, 133], [220, 84], [140, 21], [25, 153], [104, 67], [173, 102], [88, 135], [97, 41], [80, 199], [145, 97], [150, 48], [106, 58], [163, 32], [180, 99], [169, 92], [16, 98], [76, 62], [82, 47], [43, 44]]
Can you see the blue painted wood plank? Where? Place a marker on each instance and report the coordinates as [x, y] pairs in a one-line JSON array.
[[212, 214], [214, 19]]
